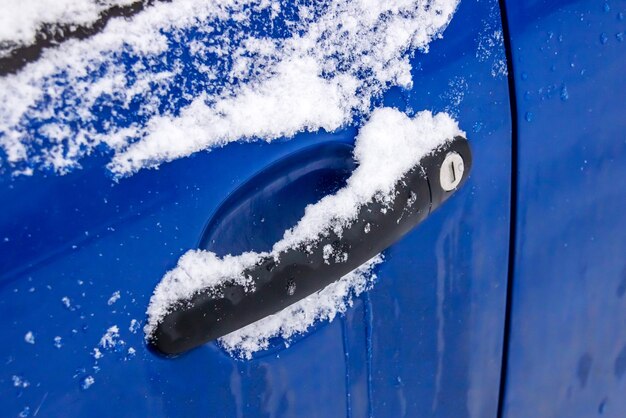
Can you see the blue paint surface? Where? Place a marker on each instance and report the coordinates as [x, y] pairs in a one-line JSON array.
[[426, 341], [568, 325]]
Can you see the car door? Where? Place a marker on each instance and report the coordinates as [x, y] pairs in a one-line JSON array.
[[82, 250], [567, 345]]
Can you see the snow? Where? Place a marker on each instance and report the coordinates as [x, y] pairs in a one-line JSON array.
[[134, 326], [29, 337], [66, 302], [20, 382], [87, 382], [190, 75], [21, 19], [491, 44], [97, 354], [111, 338], [296, 319], [238, 82], [387, 147], [114, 298]]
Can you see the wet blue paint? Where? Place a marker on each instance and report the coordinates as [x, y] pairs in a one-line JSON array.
[[568, 323]]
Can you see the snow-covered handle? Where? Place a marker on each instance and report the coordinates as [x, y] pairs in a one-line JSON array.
[[299, 272]]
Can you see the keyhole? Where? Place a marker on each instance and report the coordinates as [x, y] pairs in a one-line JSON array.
[[451, 172]]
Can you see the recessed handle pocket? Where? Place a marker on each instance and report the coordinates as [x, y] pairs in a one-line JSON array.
[[276, 282]]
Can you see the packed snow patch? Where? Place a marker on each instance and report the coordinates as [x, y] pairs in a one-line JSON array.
[[388, 146], [191, 75], [21, 19], [296, 319]]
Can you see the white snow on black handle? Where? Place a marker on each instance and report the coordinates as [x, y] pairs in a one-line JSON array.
[[395, 186]]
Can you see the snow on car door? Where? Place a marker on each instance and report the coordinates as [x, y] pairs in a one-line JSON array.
[[90, 226]]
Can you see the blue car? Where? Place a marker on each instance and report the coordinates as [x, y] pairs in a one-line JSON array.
[[271, 208]]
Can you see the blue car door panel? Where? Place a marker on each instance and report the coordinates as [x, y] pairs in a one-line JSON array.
[[81, 253]]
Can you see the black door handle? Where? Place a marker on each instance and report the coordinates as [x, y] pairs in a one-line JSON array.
[[298, 272]]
